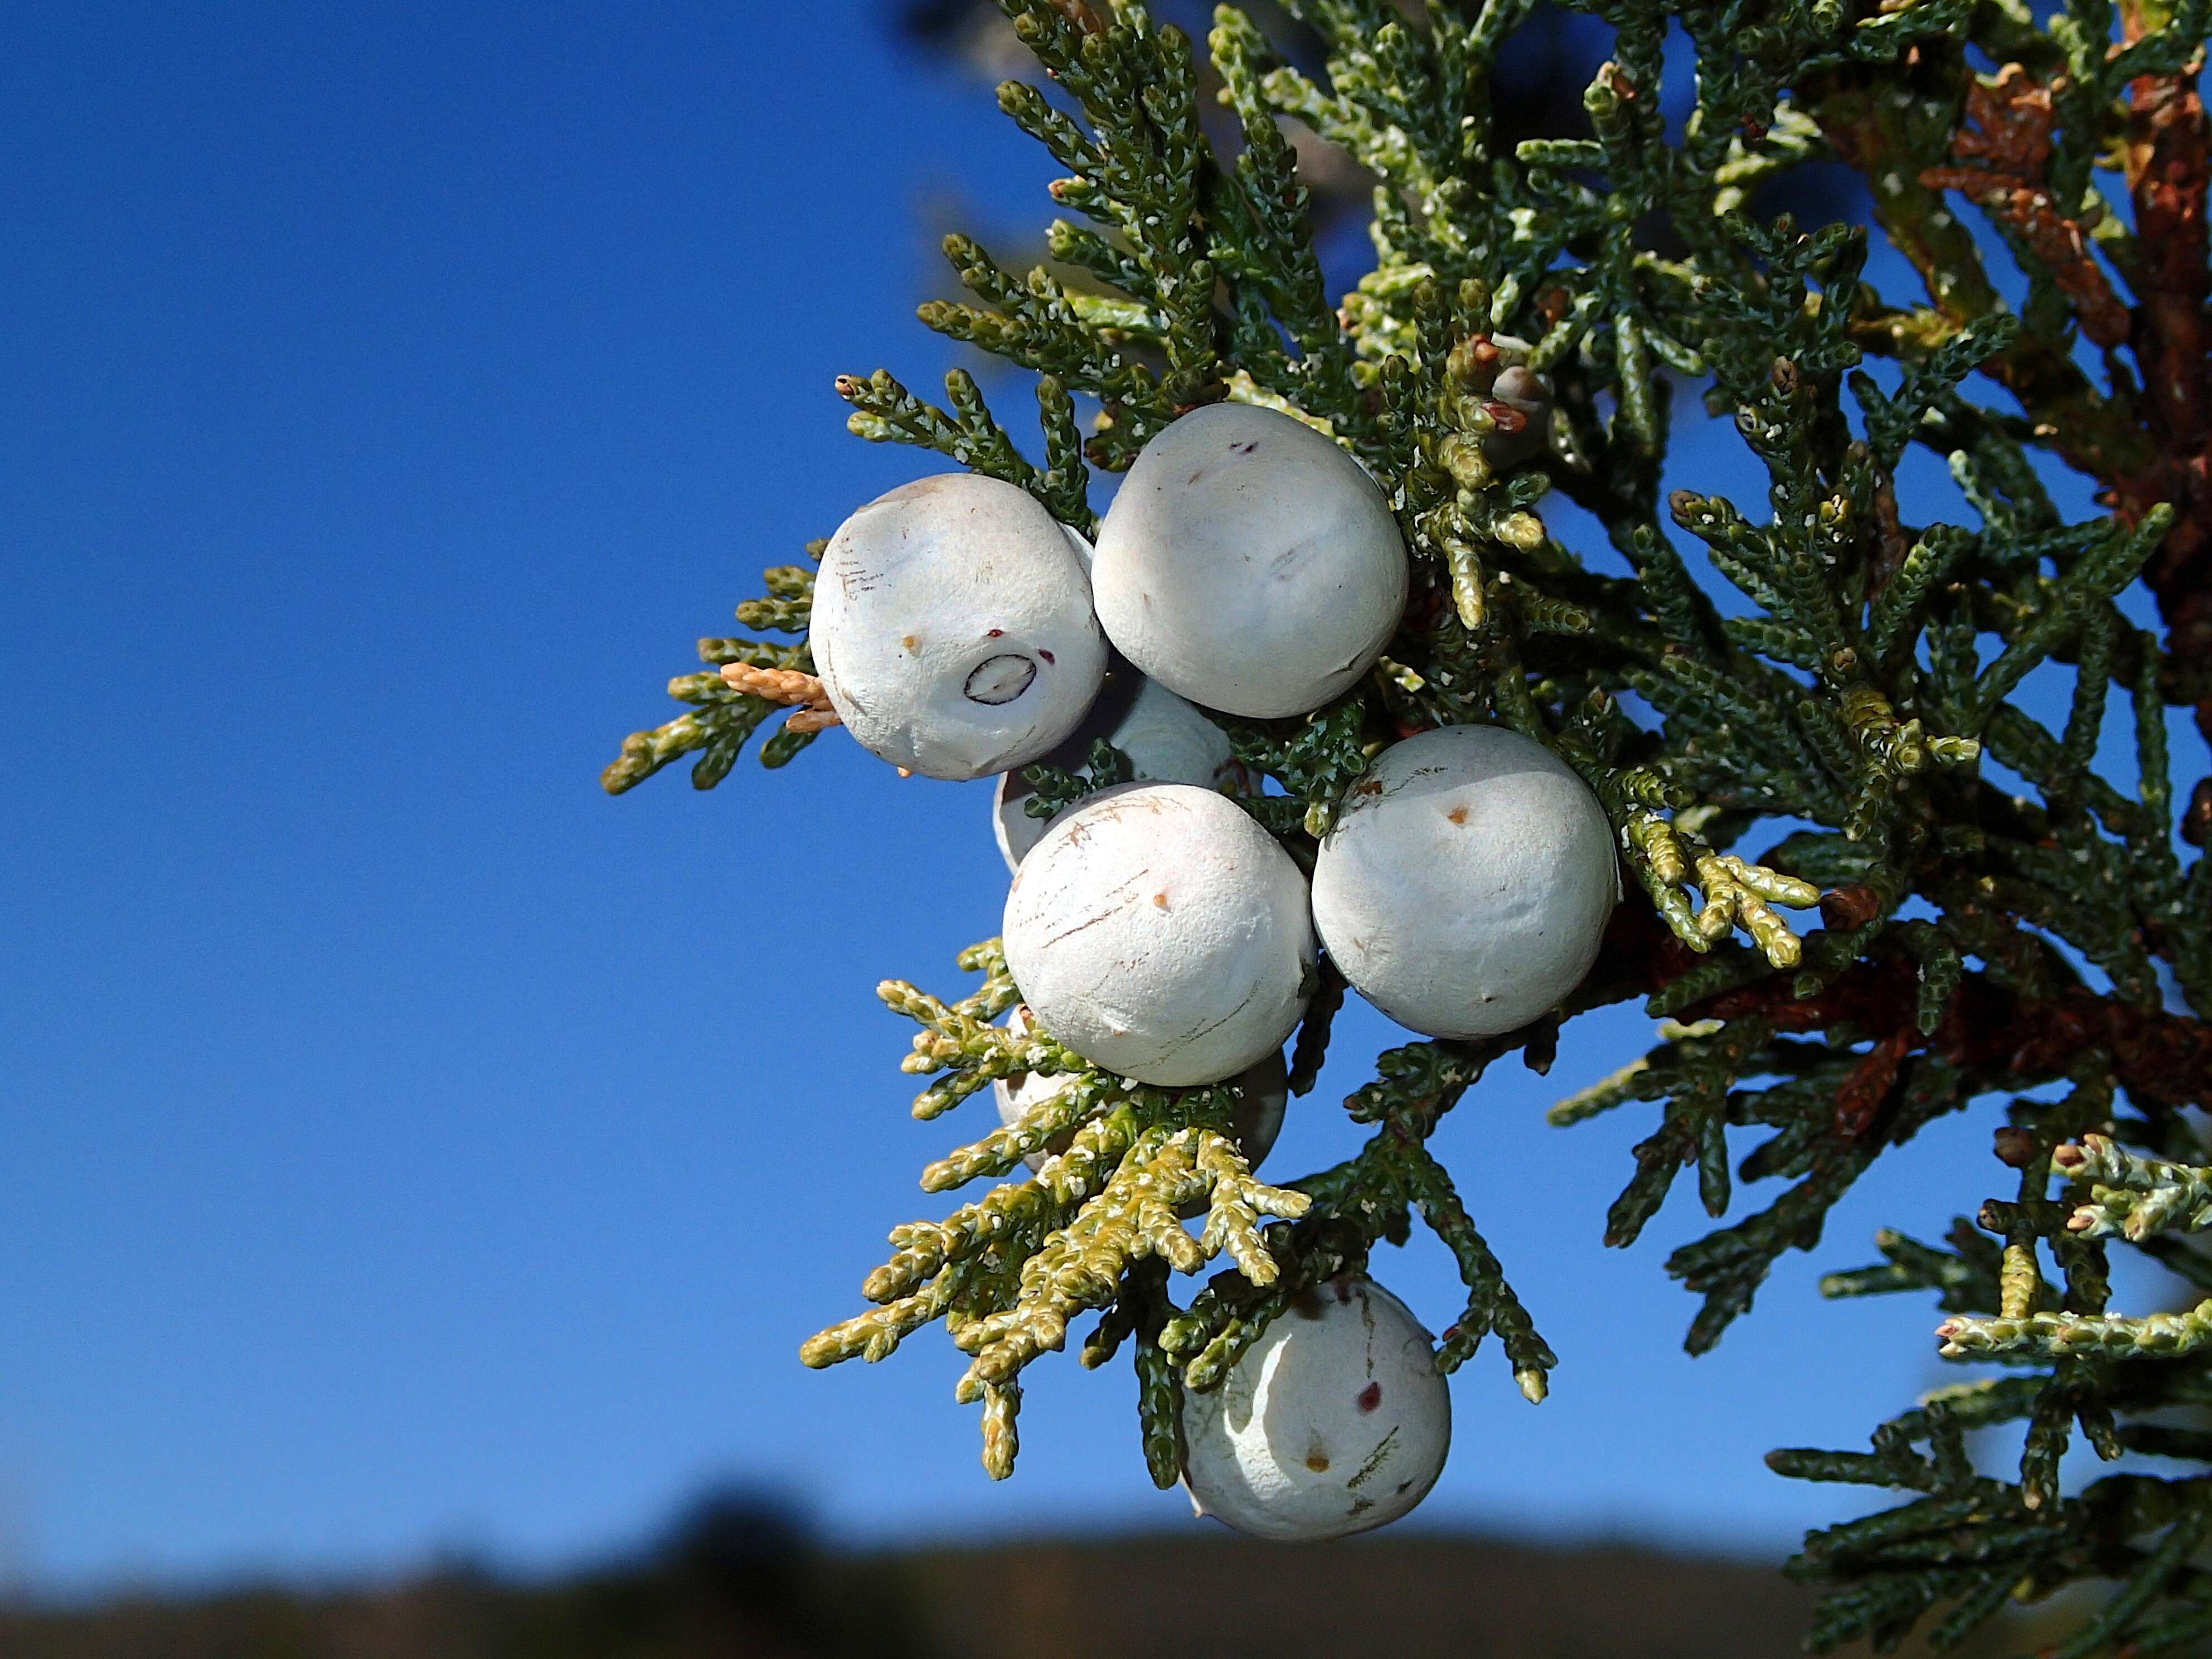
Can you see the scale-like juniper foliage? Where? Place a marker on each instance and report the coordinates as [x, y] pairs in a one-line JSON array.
[[2036, 934]]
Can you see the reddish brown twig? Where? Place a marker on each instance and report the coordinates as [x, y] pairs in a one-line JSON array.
[[1998, 163], [1866, 1089], [2161, 1059], [2169, 170]]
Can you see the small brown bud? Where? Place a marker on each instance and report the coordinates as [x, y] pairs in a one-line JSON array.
[[1852, 905], [1541, 1051], [2197, 821], [2015, 1148]]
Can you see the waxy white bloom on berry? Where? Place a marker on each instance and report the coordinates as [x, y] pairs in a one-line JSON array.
[[1465, 885], [1160, 934], [952, 628], [1249, 564], [1334, 1422]]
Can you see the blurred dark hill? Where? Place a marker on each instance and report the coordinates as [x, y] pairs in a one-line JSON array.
[[739, 1578]]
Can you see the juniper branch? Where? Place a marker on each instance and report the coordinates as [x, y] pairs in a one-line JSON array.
[[1839, 665]]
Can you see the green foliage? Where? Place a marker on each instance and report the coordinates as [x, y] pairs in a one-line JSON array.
[[727, 719], [1818, 662], [1054, 790]]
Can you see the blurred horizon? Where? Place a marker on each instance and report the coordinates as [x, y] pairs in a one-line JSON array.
[[408, 1154], [735, 1577], [782, 1518]]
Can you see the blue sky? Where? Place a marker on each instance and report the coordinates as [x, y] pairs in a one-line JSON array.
[[404, 1149]]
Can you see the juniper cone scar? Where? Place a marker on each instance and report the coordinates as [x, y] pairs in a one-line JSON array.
[[952, 628]]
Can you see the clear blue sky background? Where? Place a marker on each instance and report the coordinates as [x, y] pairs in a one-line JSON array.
[[403, 1147]]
